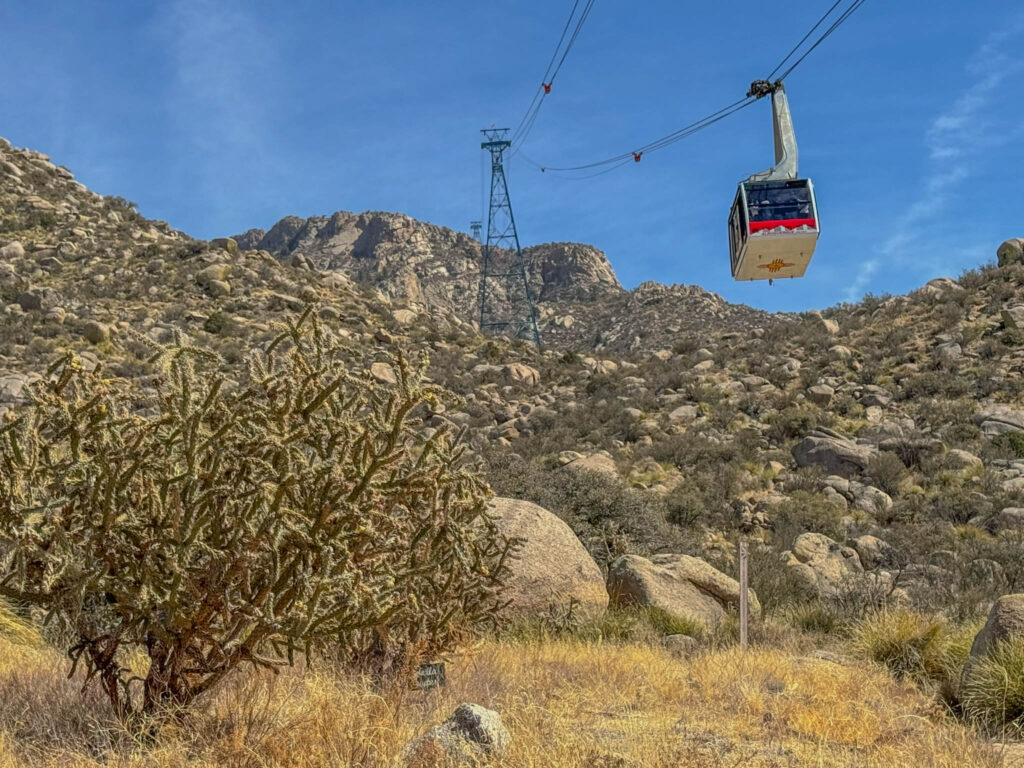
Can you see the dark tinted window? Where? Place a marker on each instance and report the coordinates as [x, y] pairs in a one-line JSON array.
[[778, 200]]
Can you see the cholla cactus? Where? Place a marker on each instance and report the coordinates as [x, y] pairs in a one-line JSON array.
[[298, 508]]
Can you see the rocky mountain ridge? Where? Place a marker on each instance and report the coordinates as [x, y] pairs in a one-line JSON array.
[[580, 300]]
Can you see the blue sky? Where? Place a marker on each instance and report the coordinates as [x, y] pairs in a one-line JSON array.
[[221, 115]]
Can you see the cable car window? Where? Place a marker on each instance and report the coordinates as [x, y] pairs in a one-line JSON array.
[[779, 201]]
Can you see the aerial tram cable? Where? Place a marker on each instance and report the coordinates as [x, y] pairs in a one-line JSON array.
[[804, 39], [714, 117], [846, 14], [545, 87], [528, 120], [637, 154], [572, 40]]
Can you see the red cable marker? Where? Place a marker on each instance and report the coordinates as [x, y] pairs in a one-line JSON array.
[[637, 156], [547, 87]]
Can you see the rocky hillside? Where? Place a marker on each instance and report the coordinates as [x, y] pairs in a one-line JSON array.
[[581, 303], [871, 454], [892, 429]]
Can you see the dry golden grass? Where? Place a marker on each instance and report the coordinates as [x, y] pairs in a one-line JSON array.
[[566, 704]]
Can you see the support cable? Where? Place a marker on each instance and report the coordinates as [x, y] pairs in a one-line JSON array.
[[846, 14], [804, 39], [540, 92], [714, 117], [528, 120]]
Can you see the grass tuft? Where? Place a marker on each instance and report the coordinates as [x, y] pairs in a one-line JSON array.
[[923, 649], [993, 689]]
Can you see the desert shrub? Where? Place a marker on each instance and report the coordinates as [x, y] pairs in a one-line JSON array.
[[915, 647], [669, 624], [838, 612], [608, 516], [797, 421], [888, 471], [1011, 443], [299, 510], [813, 616], [956, 505], [221, 324], [804, 511], [931, 383], [645, 624], [776, 586], [993, 691]]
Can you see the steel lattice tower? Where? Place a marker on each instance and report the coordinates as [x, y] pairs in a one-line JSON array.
[[505, 302]]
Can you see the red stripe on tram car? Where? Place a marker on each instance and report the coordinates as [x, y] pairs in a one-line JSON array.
[[757, 226]]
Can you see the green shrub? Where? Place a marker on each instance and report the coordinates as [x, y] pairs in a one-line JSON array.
[[796, 421], [993, 692], [813, 616], [804, 511], [608, 516], [915, 647], [669, 624], [628, 624], [776, 586], [889, 471], [1010, 442], [299, 510], [646, 624]]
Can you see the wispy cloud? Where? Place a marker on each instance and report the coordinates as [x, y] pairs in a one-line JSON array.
[[956, 141], [222, 64]]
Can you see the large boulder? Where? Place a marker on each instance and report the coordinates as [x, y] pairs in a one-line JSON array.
[[521, 372], [1005, 622], [869, 499], [997, 419], [13, 387], [957, 458], [13, 250], [821, 563], [820, 394], [551, 569], [680, 585], [874, 552], [837, 454], [1010, 252], [471, 735], [95, 332], [601, 461], [383, 373], [1010, 519]]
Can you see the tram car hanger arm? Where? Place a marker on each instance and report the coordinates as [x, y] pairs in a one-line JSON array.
[[786, 153]]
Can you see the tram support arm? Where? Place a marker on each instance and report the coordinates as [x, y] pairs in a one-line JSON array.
[[786, 154]]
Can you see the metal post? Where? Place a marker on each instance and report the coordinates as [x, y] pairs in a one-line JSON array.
[[744, 597]]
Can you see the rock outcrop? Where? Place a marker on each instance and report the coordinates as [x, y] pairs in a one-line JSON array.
[[838, 454], [551, 568], [427, 264], [472, 734], [1005, 621], [822, 564], [680, 585]]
